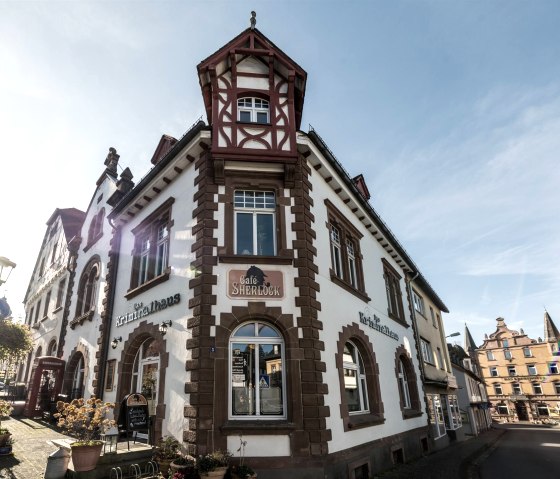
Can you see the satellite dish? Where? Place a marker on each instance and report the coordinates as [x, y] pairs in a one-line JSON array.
[[5, 311]]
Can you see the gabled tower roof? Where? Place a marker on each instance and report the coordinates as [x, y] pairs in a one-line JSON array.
[[251, 42], [470, 345], [550, 330]]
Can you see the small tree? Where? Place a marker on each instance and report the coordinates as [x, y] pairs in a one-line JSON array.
[[15, 342]]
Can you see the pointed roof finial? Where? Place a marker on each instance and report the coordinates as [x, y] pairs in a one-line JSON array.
[[253, 20]]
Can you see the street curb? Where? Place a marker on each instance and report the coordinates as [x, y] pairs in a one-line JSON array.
[[471, 465]]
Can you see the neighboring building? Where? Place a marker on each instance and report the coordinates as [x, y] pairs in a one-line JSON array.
[[440, 385], [85, 334], [522, 374], [47, 293], [247, 287], [473, 400]]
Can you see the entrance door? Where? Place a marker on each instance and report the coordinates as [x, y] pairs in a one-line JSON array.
[[521, 410], [145, 374]]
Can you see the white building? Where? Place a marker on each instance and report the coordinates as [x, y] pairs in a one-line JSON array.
[[247, 286]]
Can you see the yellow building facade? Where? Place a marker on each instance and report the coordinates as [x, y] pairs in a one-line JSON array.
[[522, 375]]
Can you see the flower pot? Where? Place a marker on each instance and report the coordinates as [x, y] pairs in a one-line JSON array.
[[164, 465], [219, 472], [4, 437], [187, 469], [85, 457], [5, 450]]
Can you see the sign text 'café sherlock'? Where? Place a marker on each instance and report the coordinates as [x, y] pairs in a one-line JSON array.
[[141, 311], [374, 324], [255, 283]]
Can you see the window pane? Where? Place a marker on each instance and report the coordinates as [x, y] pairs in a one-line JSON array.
[[270, 379], [242, 378], [245, 116], [265, 234], [247, 330], [244, 225], [262, 117], [266, 331]]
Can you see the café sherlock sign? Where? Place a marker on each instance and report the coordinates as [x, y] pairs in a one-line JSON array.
[[375, 324], [255, 283], [140, 311]]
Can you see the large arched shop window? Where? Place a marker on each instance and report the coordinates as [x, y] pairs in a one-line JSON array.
[[257, 376], [77, 390], [145, 372]]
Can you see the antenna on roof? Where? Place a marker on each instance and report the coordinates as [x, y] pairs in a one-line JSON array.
[[253, 20]]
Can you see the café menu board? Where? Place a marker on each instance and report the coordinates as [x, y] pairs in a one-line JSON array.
[[134, 412]]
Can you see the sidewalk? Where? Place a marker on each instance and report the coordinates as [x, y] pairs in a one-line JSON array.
[[454, 462], [31, 449]]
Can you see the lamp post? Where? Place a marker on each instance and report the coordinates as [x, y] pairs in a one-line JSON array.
[[6, 267]]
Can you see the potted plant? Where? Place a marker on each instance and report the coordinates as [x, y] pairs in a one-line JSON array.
[[6, 409], [85, 420], [6, 447], [214, 464], [186, 465], [242, 471], [166, 450]]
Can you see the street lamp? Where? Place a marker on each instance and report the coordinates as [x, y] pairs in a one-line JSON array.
[[6, 267], [452, 335]]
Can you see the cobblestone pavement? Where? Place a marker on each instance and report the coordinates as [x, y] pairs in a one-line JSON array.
[[31, 449], [34, 445]]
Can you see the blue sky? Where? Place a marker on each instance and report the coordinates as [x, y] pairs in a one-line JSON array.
[[450, 109]]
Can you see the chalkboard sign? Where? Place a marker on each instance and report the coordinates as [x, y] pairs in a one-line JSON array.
[[133, 414]]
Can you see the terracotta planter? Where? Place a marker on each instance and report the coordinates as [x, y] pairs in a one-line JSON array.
[[163, 465], [188, 470], [85, 458], [217, 473]]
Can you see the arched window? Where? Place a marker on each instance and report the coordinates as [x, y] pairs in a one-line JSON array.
[[96, 227], [39, 352], [145, 373], [78, 379], [407, 383], [253, 110], [51, 350], [257, 376], [87, 288], [355, 385], [404, 391]]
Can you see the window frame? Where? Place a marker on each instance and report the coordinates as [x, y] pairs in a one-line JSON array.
[[527, 353], [511, 370], [553, 367], [537, 388], [418, 302], [256, 212], [346, 261], [493, 371], [375, 416], [407, 386], [490, 355], [516, 388], [145, 271], [357, 367], [255, 340], [87, 288], [532, 370], [393, 292], [436, 416], [427, 352], [498, 391], [253, 110], [507, 354]]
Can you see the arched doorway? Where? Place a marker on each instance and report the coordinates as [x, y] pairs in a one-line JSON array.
[[521, 410], [145, 373]]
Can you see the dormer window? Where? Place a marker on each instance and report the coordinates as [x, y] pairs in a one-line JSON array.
[[253, 110]]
